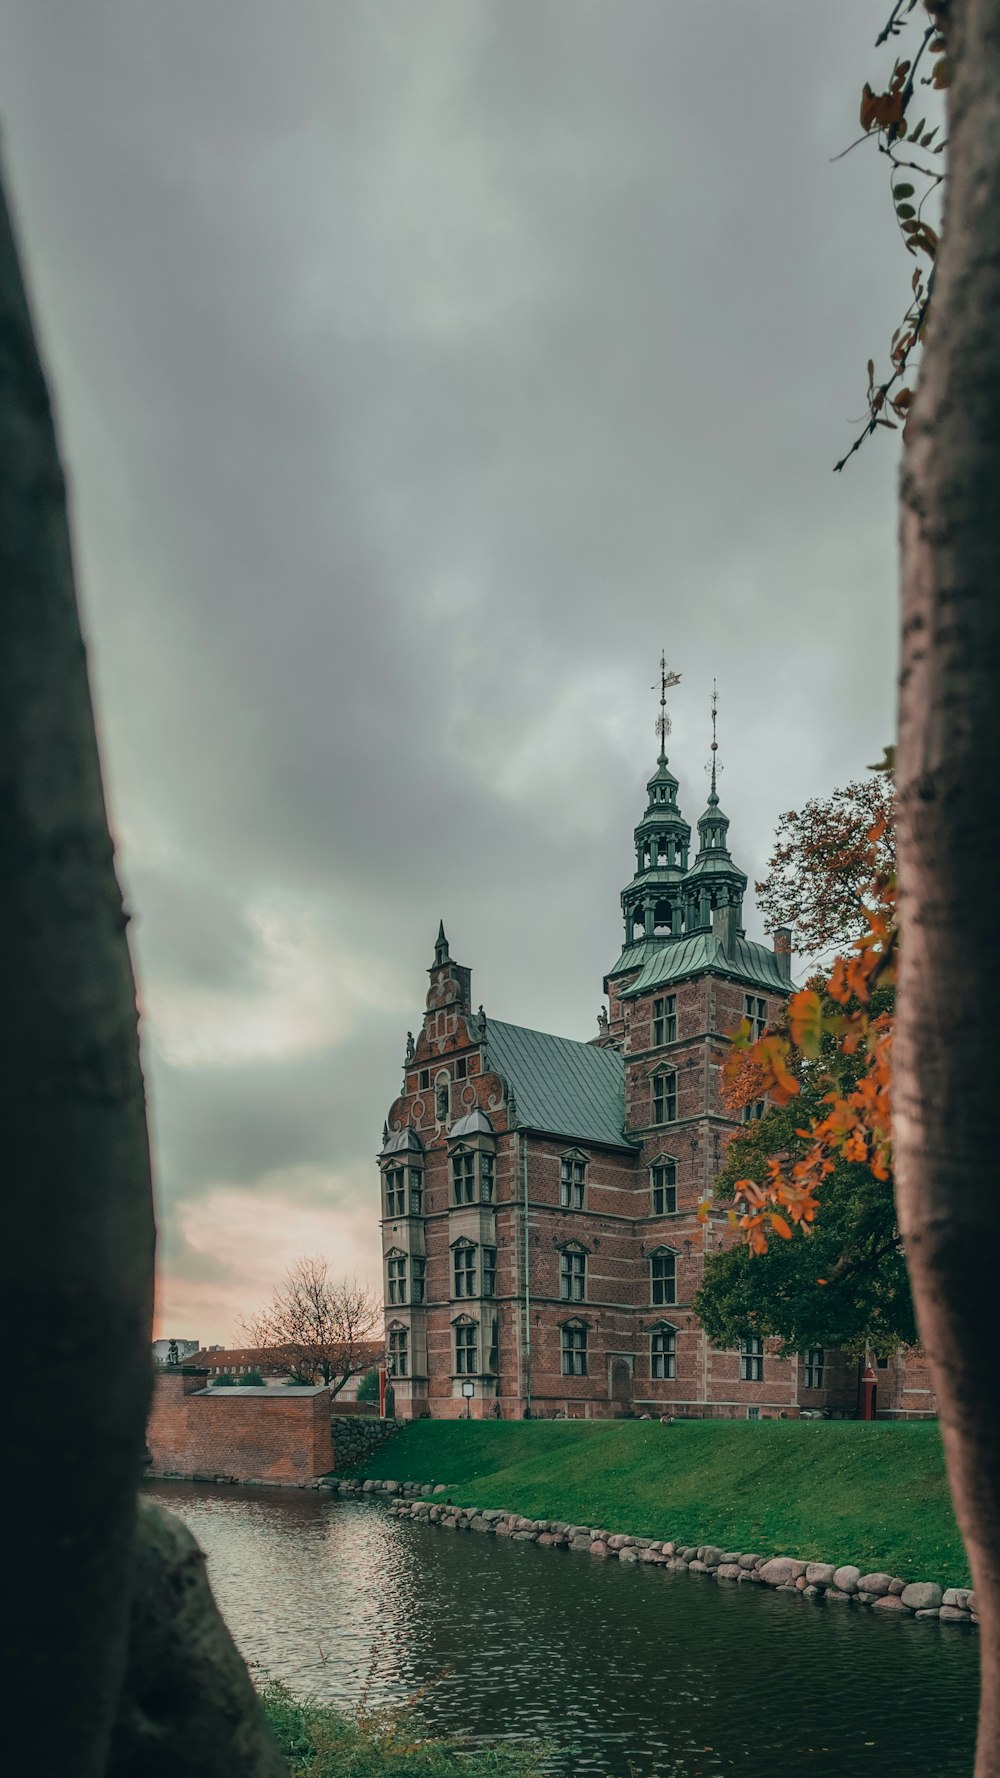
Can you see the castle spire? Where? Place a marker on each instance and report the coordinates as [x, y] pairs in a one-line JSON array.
[[714, 886], [667, 681], [441, 953], [713, 795]]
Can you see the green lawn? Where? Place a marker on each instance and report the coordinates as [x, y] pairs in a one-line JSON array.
[[837, 1491]]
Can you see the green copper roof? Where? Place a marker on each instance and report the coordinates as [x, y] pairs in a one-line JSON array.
[[561, 1087], [701, 951], [636, 955]]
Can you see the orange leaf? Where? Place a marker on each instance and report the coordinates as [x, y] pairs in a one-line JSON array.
[[780, 1227]]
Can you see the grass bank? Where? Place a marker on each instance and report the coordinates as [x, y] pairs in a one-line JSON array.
[[319, 1741], [832, 1491]]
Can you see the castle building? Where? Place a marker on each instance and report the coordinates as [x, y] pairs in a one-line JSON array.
[[541, 1239]]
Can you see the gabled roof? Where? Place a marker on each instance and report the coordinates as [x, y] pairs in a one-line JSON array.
[[699, 952], [561, 1087]]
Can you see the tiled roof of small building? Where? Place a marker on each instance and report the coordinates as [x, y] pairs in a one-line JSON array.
[[561, 1087], [748, 961]]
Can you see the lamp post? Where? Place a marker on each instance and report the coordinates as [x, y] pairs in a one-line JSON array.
[[468, 1390]]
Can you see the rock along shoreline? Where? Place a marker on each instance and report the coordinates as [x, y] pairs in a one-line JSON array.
[[844, 1582]]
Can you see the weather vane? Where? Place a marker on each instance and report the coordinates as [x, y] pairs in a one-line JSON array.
[[667, 679], [713, 766]]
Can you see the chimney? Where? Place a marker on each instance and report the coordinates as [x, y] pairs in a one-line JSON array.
[[783, 951], [725, 926]]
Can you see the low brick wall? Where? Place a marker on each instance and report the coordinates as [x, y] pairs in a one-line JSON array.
[[238, 1435], [355, 1438]]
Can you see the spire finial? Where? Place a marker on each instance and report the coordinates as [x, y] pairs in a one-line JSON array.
[[713, 765], [667, 679], [441, 952]]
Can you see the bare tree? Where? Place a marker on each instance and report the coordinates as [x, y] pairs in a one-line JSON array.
[[93, 1586], [316, 1327], [946, 1073]]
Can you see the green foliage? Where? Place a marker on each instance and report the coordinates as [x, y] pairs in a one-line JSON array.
[[841, 1281], [823, 1490], [251, 1380], [223, 1382], [319, 1741], [368, 1386]]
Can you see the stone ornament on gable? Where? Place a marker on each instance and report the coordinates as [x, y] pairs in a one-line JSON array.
[[411, 1048]]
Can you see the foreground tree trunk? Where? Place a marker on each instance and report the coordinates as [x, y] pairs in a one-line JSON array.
[[76, 1254], [947, 1053]]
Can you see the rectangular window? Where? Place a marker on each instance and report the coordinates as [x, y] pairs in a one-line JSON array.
[[572, 1178], [465, 1271], [752, 1360], [486, 1178], [755, 1013], [882, 1364], [664, 1182], [416, 1191], [461, 1067], [754, 1110], [396, 1268], [465, 1351], [493, 1362], [665, 1099], [572, 1276], [664, 1020], [663, 1353], [425, 1079], [399, 1342], [489, 1271], [395, 1191], [753, 1413], [815, 1364], [663, 1278], [463, 1174], [574, 1351], [418, 1274]]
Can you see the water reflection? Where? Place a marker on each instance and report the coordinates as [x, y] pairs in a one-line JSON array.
[[611, 1663]]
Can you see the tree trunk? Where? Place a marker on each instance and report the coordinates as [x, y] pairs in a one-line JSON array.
[[947, 1053], [76, 1257], [76, 1270]]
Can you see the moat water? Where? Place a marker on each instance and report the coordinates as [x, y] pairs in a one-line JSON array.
[[610, 1664]]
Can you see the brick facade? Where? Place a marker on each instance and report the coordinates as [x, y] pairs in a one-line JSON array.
[[237, 1435], [490, 1274]]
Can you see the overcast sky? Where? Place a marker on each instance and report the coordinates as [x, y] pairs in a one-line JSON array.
[[423, 367]]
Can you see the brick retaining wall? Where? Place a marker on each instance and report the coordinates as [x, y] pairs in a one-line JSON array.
[[238, 1435]]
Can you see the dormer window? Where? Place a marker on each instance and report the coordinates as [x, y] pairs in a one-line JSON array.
[[572, 1181]]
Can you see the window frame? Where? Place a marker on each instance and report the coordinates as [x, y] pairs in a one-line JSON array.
[[664, 1097], [464, 1270], [813, 1367], [574, 1170], [574, 1342], [397, 1362], [664, 1258], [755, 1013], [752, 1359], [666, 1333], [489, 1271], [395, 1277], [668, 1187], [418, 1278], [463, 1175], [465, 1346], [572, 1273]]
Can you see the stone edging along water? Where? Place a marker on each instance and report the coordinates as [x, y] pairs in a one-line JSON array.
[[813, 1580]]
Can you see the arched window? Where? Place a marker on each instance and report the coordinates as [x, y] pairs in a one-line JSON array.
[[663, 1352], [663, 1276]]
